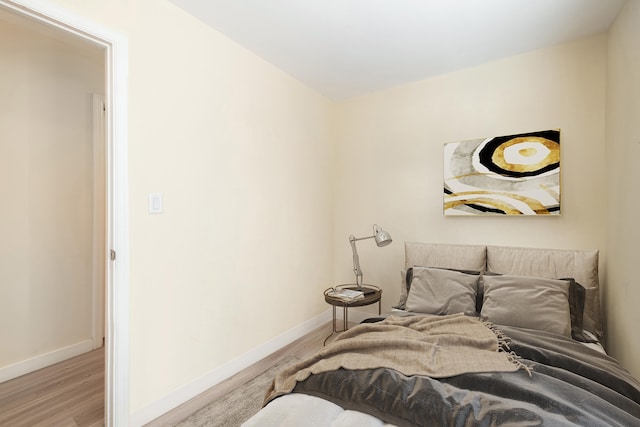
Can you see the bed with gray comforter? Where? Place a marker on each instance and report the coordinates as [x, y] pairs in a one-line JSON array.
[[461, 350]]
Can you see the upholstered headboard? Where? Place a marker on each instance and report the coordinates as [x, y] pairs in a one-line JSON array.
[[581, 265], [462, 257]]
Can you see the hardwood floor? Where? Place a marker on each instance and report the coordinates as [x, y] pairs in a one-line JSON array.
[[301, 348], [67, 394], [71, 393]]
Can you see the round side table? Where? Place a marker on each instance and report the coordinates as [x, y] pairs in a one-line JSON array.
[[372, 294]]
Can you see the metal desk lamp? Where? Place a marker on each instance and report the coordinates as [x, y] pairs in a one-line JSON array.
[[382, 238]]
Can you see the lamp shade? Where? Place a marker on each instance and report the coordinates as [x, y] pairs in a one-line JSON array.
[[381, 237]]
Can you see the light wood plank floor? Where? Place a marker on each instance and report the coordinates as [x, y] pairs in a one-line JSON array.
[[71, 393], [301, 348], [67, 394]]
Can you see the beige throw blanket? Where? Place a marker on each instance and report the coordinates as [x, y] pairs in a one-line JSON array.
[[434, 346]]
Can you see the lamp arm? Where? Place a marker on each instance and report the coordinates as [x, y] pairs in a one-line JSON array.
[[355, 239], [356, 259]]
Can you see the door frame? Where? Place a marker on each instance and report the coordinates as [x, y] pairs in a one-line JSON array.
[[115, 46]]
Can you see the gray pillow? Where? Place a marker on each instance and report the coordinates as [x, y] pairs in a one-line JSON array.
[[442, 291], [527, 302], [581, 265]]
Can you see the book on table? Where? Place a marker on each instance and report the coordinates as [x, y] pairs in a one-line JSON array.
[[347, 295]]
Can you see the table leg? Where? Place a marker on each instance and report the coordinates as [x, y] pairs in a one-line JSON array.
[[334, 318], [345, 318], [335, 323]]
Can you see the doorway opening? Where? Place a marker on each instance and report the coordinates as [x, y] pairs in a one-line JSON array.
[[114, 255]]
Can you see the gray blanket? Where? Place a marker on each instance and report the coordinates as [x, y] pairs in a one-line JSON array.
[[569, 385]]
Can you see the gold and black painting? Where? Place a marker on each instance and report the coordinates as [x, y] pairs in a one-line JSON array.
[[503, 175]]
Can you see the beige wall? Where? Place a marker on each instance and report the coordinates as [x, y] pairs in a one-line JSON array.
[[243, 156], [623, 151], [46, 173], [390, 156]]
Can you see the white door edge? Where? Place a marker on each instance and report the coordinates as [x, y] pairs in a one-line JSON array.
[[100, 248]]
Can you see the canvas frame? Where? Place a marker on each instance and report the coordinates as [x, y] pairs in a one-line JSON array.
[[511, 175]]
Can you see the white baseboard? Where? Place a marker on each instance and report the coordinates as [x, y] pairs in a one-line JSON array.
[[43, 360], [227, 370]]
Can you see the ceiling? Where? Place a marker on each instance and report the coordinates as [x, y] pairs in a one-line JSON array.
[[345, 48]]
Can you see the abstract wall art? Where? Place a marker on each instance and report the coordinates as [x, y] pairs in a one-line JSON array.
[[503, 175]]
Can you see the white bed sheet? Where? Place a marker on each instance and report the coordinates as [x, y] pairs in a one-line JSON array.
[[297, 409], [595, 345]]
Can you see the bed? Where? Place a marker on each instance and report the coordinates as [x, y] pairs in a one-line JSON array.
[[481, 335]]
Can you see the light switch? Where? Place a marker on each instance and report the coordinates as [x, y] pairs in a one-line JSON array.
[[155, 203]]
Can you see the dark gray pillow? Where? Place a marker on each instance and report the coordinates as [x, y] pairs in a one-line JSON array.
[[577, 296], [405, 283]]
